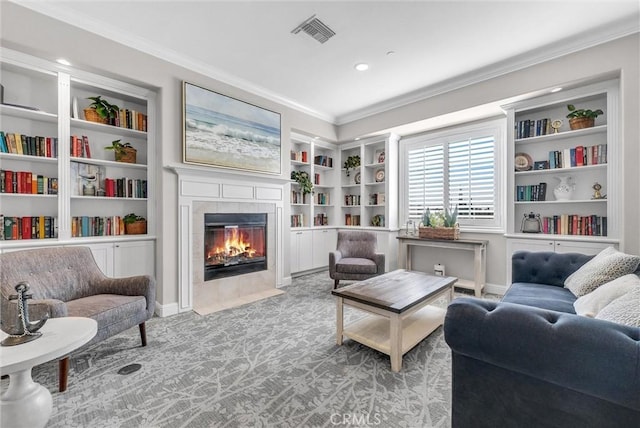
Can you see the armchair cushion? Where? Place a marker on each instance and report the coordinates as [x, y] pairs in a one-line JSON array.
[[353, 265], [542, 296]]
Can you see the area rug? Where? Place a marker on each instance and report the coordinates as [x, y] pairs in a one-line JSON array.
[[271, 363]]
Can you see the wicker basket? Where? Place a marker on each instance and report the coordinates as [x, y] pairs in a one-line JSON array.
[[92, 116], [439, 232], [136, 228], [126, 155], [581, 122]]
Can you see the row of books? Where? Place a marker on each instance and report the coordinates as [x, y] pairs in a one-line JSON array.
[[321, 220], [321, 198], [130, 119], [80, 146], [37, 227], [298, 197], [323, 160], [578, 156], [352, 200], [82, 226], [574, 224], [27, 182], [533, 128], [352, 219], [300, 156], [297, 220], [21, 144], [376, 199], [125, 188], [532, 193]]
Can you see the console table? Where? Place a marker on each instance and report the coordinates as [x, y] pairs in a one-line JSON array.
[[26, 403], [479, 248]]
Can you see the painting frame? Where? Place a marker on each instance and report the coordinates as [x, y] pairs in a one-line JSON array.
[[224, 132]]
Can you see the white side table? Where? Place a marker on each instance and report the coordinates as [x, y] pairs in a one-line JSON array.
[[26, 403]]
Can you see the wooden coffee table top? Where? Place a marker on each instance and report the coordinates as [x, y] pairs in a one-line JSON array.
[[395, 291]]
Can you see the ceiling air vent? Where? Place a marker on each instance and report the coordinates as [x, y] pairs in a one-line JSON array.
[[316, 29]]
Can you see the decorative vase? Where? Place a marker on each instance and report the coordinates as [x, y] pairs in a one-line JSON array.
[[581, 122], [564, 189]]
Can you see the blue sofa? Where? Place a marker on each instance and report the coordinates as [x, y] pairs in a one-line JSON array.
[[530, 361]]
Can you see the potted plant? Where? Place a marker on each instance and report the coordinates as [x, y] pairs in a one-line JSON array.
[[582, 118], [352, 162], [439, 224], [134, 224], [302, 178], [123, 152], [101, 111]]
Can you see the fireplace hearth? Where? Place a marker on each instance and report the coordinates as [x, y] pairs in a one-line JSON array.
[[234, 244]]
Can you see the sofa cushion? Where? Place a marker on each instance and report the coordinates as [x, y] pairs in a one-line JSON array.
[[541, 296], [354, 265], [590, 304], [606, 266], [623, 310]]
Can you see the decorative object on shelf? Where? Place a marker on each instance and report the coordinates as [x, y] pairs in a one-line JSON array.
[[302, 178], [380, 176], [582, 118], [134, 224], [538, 165], [25, 330], [224, 132], [378, 157], [123, 152], [101, 111], [523, 162], [531, 223], [411, 228], [88, 188], [357, 178], [564, 189], [377, 220], [352, 162], [596, 191], [440, 225], [556, 124]]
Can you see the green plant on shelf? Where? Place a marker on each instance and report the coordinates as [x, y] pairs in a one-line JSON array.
[[104, 108], [446, 218], [576, 113], [132, 218], [352, 162], [119, 147], [302, 178]]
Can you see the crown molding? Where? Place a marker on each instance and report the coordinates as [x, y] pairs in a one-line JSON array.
[[585, 40]]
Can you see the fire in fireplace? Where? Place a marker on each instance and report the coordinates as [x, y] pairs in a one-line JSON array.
[[234, 244]]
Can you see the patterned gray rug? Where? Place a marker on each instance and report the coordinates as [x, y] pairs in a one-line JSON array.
[[273, 363]]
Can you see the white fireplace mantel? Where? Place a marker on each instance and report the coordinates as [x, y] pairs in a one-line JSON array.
[[237, 190]]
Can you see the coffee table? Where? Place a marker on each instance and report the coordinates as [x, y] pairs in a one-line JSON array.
[[399, 312], [26, 403]]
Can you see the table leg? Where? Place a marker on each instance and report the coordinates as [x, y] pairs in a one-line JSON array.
[[339, 319], [396, 342], [25, 403], [477, 271]]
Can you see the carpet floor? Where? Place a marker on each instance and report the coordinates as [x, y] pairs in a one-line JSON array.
[[272, 363]]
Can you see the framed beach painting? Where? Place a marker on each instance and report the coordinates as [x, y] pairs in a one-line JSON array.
[[225, 132]]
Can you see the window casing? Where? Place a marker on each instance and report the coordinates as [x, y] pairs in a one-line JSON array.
[[461, 167]]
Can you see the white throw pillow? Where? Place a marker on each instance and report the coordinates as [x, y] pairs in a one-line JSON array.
[[590, 304], [624, 310], [608, 265]]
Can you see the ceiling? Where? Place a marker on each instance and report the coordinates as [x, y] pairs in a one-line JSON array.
[[410, 46]]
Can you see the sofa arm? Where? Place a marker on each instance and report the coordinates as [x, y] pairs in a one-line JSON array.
[[334, 257], [545, 267], [594, 357], [38, 309], [141, 285], [378, 258]]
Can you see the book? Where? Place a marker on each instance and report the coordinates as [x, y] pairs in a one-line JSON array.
[[87, 150]]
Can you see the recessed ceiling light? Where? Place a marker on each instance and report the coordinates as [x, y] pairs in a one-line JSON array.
[[362, 66], [356, 139], [390, 53], [556, 90], [63, 61]]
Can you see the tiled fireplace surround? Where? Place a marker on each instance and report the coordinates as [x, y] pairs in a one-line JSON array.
[[203, 190]]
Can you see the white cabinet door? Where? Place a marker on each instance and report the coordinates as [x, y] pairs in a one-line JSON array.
[[134, 258], [324, 241], [103, 254], [301, 250], [591, 248]]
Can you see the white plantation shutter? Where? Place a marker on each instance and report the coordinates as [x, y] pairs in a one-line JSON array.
[[455, 168]]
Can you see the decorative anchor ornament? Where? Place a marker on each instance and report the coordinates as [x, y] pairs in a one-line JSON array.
[[26, 330]]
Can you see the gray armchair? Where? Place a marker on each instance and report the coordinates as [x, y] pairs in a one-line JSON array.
[[356, 257], [66, 281]]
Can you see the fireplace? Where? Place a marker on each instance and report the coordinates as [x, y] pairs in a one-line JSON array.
[[234, 244]]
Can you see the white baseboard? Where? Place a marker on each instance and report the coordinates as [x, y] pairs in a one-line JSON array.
[[166, 310], [285, 281], [495, 289]]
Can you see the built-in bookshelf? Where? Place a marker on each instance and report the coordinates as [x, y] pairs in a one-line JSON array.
[[565, 179], [54, 164]]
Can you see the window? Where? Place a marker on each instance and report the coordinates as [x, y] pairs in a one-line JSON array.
[[459, 167]]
